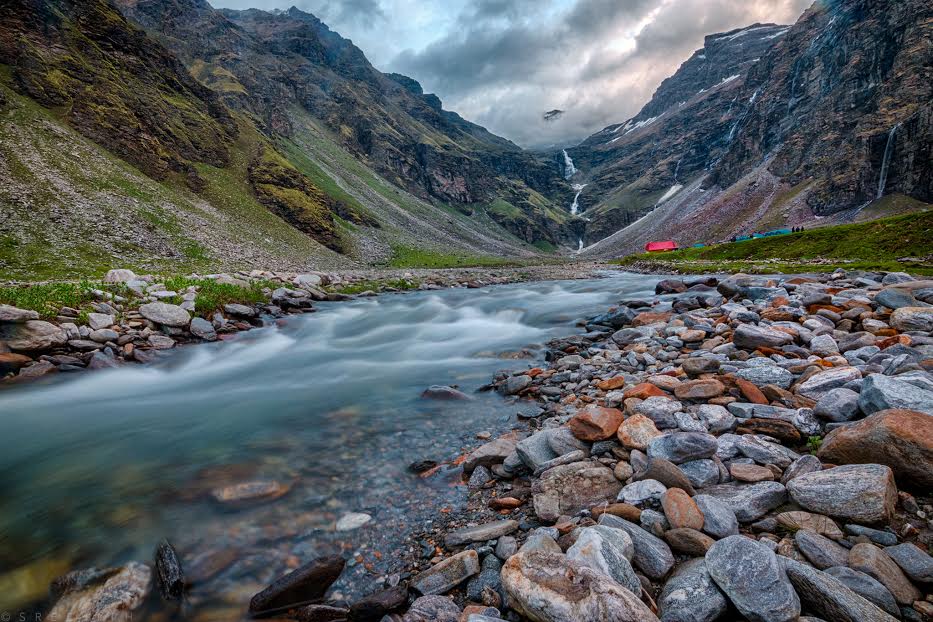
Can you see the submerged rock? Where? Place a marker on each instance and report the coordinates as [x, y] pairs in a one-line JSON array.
[[115, 600], [447, 574], [304, 585]]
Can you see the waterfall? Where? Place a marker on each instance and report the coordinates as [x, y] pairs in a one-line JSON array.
[[580, 247], [574, 208], [677, 168], [569, 169], [886, 161]]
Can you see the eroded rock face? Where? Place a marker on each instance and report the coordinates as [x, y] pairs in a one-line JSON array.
[[863, 493], [549, 587], [900, 439], [569, 488]]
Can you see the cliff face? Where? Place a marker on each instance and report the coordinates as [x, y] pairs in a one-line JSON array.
[[829, 114], [851, 82], [272, 64]]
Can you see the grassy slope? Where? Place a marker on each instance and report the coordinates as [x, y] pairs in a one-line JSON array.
[[874, 245], [74, 210]]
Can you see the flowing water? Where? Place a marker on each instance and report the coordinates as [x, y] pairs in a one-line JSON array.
[[98, 466], [886, 161]]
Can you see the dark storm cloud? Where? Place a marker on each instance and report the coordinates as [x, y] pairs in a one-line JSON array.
[[506, 63]]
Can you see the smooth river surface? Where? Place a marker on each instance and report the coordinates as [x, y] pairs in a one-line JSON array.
[[96, 467]]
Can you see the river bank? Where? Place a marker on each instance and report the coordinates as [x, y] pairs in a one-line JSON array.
[[689, 444], [644, 447], [47, 328]]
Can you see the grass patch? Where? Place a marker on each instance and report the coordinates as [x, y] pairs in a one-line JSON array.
[[48, 298], [874, 245], [212, 296], [408, 257]]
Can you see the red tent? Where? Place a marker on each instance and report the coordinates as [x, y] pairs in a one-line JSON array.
[[666, 245]]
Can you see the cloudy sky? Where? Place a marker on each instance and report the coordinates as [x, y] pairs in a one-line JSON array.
[[504, 63]]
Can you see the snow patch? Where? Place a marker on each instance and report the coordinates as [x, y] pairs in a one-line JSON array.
[[746, 31], [670, 192]]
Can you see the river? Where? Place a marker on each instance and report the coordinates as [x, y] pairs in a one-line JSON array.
[[97, 467]]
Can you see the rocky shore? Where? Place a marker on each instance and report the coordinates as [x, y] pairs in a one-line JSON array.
[[133, 318], [737, 449]]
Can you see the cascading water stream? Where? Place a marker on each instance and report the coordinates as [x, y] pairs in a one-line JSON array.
[[569, 169], [886, 161], [575, 206]]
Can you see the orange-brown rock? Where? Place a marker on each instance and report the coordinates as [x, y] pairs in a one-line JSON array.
[[611, 384], [643, 391], [595, 423], [636, 432], [11, 362], [699, 389], [505, 503], [650, 317], [752, 393], [781, 430], [681, 510], [750, 472], [901, 439], [622, 510]]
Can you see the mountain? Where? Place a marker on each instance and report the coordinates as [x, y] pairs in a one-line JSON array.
[[630, 166], [287, 67], [123, 148], [769, 126]]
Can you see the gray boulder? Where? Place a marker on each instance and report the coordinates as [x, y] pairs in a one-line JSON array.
[[819, 384], [679, 447], [13, 315], [652, 555], [691, 595], [165, 314], [719, 520], [32, 335], [447, 574], [750, 336], [820, 550], [608, 551], [915, 563], [749, 502], [866, 587], [751, 576], [880, 392], [838, 405], [827, 596], [864, 493], [549, 587]]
